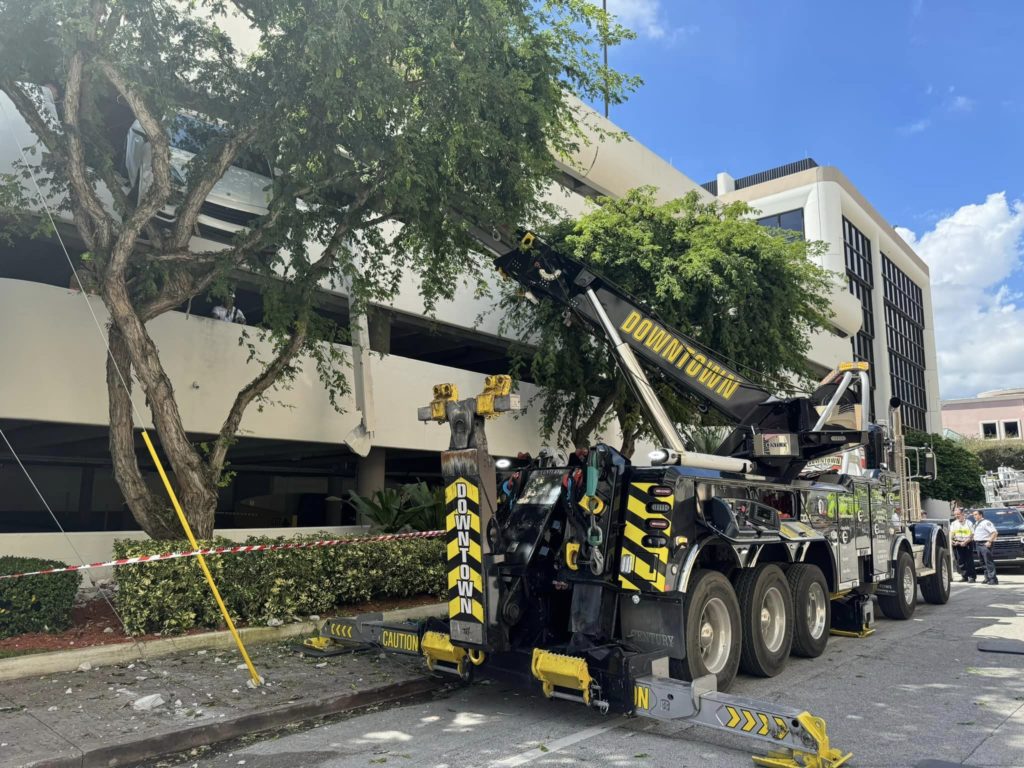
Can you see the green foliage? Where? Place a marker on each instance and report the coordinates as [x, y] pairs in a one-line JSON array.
[[171, 596], [959, 470], [994, 454], [751, 294], [414, 506], [35, 603], [396, 127]]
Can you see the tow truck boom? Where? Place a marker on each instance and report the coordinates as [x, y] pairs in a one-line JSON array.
[[772, 436]]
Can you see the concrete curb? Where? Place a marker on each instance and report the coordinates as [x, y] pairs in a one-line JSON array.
[[34, 664], [147, 748]]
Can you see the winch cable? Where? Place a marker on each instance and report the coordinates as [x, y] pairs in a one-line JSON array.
[[254, 675]]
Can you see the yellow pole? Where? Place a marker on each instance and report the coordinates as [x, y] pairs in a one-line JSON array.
[[256, 679]]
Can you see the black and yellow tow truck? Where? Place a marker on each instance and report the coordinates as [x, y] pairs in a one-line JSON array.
[[579, 579]]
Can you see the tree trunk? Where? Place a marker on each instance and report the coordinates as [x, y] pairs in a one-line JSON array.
[[152, 512], [195, 488], [628, 443], [582, 432]]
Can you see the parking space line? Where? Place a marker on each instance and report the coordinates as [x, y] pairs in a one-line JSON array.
[[557, 744]]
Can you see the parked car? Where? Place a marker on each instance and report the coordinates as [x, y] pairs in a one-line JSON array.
[[1009, 523], [239, 198]]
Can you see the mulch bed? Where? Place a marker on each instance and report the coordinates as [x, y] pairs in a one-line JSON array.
[[90, 619]]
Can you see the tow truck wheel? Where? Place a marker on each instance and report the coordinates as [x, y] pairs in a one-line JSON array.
[[900, 605], [712, 631], [935, 588], [812, 610], [766, 615]]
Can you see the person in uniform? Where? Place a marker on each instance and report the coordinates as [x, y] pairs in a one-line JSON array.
[[961, 531], [984, 537]]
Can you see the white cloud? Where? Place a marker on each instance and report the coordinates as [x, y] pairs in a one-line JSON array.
[[961, 104], [647, 18], [918, 127], [979, 318]]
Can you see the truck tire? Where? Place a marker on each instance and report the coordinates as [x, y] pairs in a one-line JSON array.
[[935, 588], [812, 610], [900, 606], [766, 615], [712, 629]]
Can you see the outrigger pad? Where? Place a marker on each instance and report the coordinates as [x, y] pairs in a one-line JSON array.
[[993, 645]]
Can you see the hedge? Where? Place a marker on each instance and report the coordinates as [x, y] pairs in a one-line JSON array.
[[171, 596], [35, 603]]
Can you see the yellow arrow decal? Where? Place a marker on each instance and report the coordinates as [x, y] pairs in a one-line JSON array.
[[783, 731], [751, 721], [763, 730], [734, 718]]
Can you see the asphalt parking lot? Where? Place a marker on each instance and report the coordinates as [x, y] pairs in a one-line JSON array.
[[916, 693]]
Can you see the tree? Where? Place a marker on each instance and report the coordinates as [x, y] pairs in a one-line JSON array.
[[434, 114], [751, 294], [959, 470], [994, 454]]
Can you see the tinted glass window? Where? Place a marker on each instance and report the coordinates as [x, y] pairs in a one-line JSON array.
[[1004, 516], [791, 221]]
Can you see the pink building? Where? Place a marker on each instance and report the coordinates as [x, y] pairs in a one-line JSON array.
[[995, 415]]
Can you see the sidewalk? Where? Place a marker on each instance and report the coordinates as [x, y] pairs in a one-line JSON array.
[[89, 717]]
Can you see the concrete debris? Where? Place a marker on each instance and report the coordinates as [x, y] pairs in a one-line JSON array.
[[203, 652], [108, 630], [51, 709], [68, 691], [85, 666], [148, 703], [274, 622], [314, 617]]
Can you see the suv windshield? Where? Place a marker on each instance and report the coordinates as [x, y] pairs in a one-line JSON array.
[[1004, 516], [193, 135]]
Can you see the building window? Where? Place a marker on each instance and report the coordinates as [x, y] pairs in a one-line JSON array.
[[861, 279], [790, 221], [990, 430], [1011, 430], [904, 329]]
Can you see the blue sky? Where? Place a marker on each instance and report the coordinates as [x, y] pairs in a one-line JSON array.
[[920, 103]]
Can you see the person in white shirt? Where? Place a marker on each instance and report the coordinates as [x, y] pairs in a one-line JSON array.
[[961, 531], [984, 537], [229, 314]]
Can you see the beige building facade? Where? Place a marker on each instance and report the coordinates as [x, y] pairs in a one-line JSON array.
[[995, 415], [883, 280]]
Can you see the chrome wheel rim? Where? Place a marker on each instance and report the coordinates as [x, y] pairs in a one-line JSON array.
[[816, 610], [908, 585], [773, 619], [715, 635]]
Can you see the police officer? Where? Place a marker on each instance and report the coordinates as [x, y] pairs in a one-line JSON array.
[[984, 537], [961, 531]]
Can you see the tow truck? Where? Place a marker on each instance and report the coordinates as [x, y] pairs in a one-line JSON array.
[[578, 579]]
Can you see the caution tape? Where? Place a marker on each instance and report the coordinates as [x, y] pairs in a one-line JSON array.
[[240, 549]]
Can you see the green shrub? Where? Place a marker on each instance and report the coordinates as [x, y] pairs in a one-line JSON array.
[[172, 596], [413, 506], [35, 603]]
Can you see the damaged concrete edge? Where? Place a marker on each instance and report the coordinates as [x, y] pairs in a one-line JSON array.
[[34, 664], [131, 753]]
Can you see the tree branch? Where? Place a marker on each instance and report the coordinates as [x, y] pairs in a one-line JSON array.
[[200, 188], [77, 171], [159, 192], [581, 434], [30, 114], [263, 381]]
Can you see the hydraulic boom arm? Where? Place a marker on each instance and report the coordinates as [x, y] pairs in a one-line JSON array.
[[778, 434]]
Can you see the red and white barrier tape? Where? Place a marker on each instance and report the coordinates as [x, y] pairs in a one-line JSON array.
[[241, 548]]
